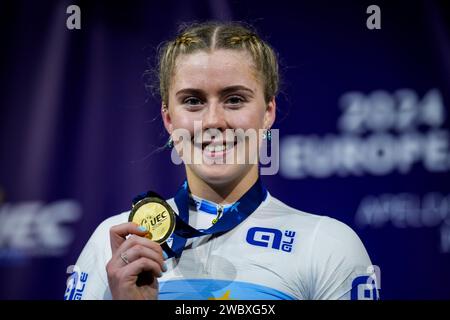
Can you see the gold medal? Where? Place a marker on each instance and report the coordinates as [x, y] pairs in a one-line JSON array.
[[156, 215]]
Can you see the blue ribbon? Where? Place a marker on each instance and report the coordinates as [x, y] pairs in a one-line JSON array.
[[241, 210], [237, 213]]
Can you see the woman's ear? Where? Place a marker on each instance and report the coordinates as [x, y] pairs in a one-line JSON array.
[[166, 118], [270, 115]]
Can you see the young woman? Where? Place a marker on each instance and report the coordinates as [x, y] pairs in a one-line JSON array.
[[224, 77]]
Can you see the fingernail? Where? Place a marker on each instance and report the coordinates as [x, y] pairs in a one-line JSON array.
[[142, 228], [164, 267], [165, 256]]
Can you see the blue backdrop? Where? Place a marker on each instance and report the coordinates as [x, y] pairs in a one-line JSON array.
[[364, 128]]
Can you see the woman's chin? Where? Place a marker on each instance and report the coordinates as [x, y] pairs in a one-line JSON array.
[[218, 173]]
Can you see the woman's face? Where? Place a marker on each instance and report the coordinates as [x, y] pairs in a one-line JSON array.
[[219, 90]]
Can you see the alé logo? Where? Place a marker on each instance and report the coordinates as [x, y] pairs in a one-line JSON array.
[[271, 238]]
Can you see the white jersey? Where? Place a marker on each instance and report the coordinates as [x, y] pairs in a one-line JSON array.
[[276, 253]]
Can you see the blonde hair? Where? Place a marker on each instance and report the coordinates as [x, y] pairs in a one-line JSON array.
[[209, 36]]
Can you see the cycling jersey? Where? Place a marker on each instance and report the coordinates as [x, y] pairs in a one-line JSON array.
[[278, 252]]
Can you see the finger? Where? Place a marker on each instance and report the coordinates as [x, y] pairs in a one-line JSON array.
[[131, 271], [119, 233], [139, 251], [134, 241]]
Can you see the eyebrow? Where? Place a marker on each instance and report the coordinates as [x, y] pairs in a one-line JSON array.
[[222, 92]]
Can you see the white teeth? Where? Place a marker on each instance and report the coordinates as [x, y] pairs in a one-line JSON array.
[[217, 148]]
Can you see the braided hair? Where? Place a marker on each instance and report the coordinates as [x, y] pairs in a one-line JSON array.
[[209, 36]]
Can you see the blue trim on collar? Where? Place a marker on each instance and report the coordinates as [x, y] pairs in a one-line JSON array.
[[211, 207]]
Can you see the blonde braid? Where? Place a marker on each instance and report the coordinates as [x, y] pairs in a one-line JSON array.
[[186, 39], [219, 35], [242, 38]]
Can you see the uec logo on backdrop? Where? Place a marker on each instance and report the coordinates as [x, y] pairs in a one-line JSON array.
[[37, 229], [273, 238]]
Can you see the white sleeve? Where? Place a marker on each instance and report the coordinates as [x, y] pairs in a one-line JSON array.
[[88, 279], [341, 267]]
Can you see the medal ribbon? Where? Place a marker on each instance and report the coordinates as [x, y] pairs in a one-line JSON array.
[[240, 211], [242, 208]]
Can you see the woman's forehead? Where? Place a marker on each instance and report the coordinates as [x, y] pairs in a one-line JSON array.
[[216, 68]]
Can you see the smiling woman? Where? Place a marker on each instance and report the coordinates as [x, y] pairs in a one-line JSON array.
[[220, 90], [232, 239]]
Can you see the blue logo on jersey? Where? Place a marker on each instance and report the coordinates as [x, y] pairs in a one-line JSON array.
[[364, 288], [75, 284], [273, 238]]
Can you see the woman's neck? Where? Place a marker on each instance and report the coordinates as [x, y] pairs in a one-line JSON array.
[[224, 193]]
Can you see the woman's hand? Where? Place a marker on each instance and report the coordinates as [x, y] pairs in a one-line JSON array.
[[132, 258]]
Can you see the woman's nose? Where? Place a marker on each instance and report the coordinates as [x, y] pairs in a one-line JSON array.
[[214, 118]]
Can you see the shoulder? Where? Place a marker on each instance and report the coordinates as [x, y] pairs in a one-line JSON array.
[[338, 257], [274, 204], [273, 207], [100, 237], [334, 255], [112, 221], [326, 229], [338, 261], [337, 237], [326, 237]]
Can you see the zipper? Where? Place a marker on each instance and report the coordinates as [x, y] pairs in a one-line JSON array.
[[219, 213], [207, 267]]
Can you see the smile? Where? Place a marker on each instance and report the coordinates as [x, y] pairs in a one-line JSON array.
[[215, 150]]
